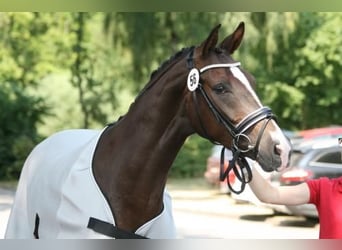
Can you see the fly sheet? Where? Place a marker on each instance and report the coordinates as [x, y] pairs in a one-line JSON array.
[[57, 185]]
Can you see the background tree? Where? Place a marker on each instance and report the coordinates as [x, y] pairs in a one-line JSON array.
[[20, 68], [300, 73], [76, 70], [318, 69]]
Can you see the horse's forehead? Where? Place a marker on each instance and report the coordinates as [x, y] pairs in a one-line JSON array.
[[235, 76], [241, 76], [237, 73], [215, 57], [222, 57]]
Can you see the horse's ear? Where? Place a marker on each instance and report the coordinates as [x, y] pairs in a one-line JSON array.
[[232, 42], [210, 42]]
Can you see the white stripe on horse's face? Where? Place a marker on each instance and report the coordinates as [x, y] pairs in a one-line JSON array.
[[237, 73], [277, 135]]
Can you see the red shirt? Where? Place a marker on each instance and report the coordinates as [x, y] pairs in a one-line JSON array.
[[326, 194]]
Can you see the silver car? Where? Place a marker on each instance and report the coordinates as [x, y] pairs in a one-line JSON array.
[[312, 159]]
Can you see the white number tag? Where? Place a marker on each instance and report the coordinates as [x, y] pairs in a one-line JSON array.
[[193, 79]]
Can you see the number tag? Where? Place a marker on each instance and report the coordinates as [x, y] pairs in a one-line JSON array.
[[193, 79]]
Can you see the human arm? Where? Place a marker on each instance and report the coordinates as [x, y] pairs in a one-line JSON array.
[[282, 195]]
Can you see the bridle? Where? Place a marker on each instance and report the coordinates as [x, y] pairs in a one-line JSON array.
[[237, 132]]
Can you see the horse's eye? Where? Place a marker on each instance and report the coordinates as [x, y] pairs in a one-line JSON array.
[[219, 88]]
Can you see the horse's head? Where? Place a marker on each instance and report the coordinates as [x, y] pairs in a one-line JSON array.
[[224, 107]]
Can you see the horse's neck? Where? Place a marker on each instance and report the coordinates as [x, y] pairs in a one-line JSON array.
[[133, 158]]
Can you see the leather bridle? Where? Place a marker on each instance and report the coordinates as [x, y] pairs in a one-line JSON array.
[[237, 132]]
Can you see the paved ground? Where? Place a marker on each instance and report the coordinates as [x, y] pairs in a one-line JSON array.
[[6, 199], [202, 212]]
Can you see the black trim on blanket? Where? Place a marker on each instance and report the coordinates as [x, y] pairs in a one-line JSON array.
[[36, 226], [110, 230]]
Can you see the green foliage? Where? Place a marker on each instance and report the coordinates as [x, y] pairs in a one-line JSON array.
[[94, 70], [287, 101], [300, 75], [167, 33], [18, 119], [87, 68], [191, 161], [319, 72], [24, 62], [27, 48], [22, 145]]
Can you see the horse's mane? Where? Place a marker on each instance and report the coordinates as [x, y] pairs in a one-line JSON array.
[[168, 61], [156, 73], [162, 67], [165, 64]]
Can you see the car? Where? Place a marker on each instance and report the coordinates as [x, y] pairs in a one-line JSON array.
[[312, 159], [316, 133]]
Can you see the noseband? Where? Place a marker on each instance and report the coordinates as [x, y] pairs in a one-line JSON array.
[[237, 132]]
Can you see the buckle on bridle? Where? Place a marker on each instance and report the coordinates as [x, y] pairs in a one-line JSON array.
[[237, 144]]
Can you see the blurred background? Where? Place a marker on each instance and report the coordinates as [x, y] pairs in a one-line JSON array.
[[82, 70]]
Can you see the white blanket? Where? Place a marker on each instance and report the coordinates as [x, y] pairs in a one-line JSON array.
[[57, 183]]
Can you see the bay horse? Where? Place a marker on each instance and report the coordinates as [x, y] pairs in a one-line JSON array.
[[111, 183]]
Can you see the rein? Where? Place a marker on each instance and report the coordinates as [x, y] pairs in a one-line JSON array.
[[238, 164]]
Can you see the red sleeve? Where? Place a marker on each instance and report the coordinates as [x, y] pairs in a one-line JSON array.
[[314, 187]]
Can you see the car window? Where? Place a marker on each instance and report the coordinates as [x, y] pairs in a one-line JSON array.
[[330, 157]]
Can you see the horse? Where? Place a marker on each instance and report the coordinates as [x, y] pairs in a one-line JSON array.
[[111, 183]]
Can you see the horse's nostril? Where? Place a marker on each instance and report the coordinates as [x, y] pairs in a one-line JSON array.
[[277, 149]]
